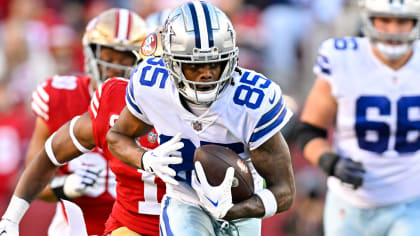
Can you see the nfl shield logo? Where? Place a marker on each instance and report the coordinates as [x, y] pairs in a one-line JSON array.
[[197, 125]]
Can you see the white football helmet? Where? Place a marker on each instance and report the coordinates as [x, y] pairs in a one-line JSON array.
[[117, 28], [198, 32], [407, 9]]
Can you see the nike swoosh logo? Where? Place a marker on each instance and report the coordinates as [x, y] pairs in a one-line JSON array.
[[3, 232], [212, 202], [271, 100]]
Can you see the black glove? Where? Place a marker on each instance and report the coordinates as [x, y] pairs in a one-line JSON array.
[[345, 169]]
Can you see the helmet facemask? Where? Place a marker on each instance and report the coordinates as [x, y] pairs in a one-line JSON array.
[[190, 89], [97, 68], [402, 43]]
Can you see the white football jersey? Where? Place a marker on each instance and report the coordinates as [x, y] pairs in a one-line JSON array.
[[248, 114], [378, 120]]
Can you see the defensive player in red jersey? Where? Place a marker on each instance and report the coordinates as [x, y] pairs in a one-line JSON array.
[[108, 42], [137, 207]]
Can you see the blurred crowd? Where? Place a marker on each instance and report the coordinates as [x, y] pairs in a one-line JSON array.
[[280, 38]]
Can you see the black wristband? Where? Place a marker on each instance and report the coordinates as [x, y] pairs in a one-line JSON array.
[[327, 162], [59, 193], [306, 132], [57, 186]]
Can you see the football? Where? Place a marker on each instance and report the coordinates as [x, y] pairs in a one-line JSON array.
[[215, 160]]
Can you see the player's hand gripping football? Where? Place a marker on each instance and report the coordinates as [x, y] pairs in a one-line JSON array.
[[8, 228], [76, 184], [216, 200], [157, 161]]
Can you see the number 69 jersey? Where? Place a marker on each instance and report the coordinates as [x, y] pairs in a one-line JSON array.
[[139, 193], [250, 112], [378, 120]]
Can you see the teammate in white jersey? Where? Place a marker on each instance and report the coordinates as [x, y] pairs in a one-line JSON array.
[[198, 90], [368, 89]]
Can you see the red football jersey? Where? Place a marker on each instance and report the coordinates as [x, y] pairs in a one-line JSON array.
[[57, 101], [138, 193]]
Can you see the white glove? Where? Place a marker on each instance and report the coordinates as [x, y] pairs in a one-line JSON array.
[[76, 184], [157, 161], [8, 228], [216, 200]]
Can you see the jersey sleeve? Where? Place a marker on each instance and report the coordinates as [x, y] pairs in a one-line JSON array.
[[94, 109], [40, 100], [323, 64], [270, 118], [131, 100]]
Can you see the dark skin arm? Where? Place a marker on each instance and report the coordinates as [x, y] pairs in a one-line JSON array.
[[121, 138], [41, 170], [272, 161]]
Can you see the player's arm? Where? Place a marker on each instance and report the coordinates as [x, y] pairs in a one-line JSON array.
[[320, 112], [121, 142], [273, 163], [39, 136], [318, 115], [121, 138], [58, 149]]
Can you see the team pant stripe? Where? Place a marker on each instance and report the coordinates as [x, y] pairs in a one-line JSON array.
[[195, 23], [165, 218], [208, 22], [202, 25]]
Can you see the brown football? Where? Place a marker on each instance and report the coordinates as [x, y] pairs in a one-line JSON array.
[[215, 159]]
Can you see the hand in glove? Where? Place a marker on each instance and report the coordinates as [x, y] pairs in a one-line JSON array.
[[216, 200], [345, 169], [157, 161], [75, 185]]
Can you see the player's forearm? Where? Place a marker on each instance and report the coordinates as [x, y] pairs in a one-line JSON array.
[[250, 208], [35, 177], [254, 207], [47, 195], [273, 162], [314, 148], [125, 149]]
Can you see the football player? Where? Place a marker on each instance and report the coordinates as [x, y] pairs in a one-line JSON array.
[[368, 90], [109, 41], [139, 193], [196, 95]]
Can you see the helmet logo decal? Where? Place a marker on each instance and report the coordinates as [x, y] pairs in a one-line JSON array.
[[149, 45]]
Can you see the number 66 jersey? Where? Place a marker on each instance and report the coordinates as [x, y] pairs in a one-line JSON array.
[[378, 120], [251, 111]]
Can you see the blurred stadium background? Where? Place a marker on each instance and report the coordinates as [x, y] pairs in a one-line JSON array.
[[280, 38]]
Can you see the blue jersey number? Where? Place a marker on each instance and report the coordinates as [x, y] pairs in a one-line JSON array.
[[156, 72], [248, 93], [345, 43], [407, 138], [183, 170]]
